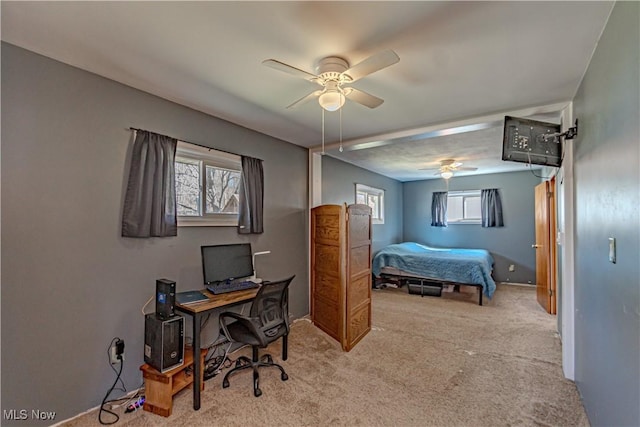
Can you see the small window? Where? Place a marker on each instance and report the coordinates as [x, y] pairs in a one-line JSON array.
[[374, 197], [207, 185], [463, 207]]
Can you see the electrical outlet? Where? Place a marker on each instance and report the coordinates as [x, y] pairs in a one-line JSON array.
[[116, 352], [113, 357], [512, 267]]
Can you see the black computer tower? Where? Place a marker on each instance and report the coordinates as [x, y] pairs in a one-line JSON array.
[[163, 342], [165, 298]]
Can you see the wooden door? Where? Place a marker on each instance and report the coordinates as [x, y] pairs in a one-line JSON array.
[[545, 226]]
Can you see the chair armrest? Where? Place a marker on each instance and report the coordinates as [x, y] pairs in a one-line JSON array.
[[247, 322]]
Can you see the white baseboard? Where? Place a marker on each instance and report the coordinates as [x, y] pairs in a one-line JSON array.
[[526, 285]]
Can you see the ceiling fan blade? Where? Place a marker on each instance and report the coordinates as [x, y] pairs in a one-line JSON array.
[[305, 99], [281, 66], [466, 169], [372, 64], [363, 98]]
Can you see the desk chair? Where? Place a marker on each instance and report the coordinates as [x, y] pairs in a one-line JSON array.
[[267, 321]]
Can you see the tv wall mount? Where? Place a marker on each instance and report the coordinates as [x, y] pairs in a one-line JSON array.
[[570, 133]]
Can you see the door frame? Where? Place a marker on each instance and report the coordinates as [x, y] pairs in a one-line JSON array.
[[566, 241]]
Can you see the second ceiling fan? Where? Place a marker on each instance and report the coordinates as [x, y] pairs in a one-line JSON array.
[[448, 167], [334, 74]]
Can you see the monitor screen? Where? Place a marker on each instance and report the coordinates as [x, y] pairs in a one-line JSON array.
[[226, 262], [531, 141]]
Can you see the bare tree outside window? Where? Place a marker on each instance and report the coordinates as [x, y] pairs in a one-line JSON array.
[[187, 188], [222, 190]]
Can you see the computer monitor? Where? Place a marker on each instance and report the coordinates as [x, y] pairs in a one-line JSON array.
[[531, 141], [226, 262]]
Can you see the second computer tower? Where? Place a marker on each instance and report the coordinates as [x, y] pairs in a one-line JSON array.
[[163, 342], [165, 298]]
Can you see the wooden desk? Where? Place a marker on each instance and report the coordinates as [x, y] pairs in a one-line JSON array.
[[197, 311]]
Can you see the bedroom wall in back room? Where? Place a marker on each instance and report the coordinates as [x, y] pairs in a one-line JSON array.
[[508, 245], [339, 181]]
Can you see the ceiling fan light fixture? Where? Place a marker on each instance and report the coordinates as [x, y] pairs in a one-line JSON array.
[[446, 174], [331, 99]]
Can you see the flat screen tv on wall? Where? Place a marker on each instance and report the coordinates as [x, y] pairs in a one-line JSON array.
[[531, 141]]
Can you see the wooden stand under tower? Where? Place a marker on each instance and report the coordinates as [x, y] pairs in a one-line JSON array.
[[341, 271]]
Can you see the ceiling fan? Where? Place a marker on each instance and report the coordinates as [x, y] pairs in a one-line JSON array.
[[333, 74], [448, 167]]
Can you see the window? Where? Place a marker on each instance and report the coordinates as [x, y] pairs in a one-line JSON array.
[[207, 185], [463, 207], [374, 197]]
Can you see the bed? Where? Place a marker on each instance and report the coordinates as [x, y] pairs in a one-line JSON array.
[[411, 260]]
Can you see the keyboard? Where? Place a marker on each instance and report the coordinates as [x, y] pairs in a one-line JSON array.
[[224, 288]]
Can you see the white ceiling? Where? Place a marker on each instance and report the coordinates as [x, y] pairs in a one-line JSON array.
[[461, 63]]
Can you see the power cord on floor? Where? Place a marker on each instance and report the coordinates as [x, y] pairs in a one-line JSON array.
[[214, 363]]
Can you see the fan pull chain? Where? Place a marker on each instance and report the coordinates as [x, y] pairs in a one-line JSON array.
[[341, 130], [322, 131]]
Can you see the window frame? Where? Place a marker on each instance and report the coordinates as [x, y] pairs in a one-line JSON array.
[[214, 158], [376, 192], [464, 194]]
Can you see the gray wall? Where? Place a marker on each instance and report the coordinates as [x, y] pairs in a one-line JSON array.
[[339, 181], [70, 283], [607, 184], [510, 244]]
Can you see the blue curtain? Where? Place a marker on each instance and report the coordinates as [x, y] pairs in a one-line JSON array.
[[439, 209], [150, 201], [251, 197], [491, 206]]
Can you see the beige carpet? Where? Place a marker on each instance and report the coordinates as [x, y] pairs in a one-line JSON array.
[[427, 362]]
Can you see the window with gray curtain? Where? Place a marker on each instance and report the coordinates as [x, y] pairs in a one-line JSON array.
[[439, 209], [491, 206], [150, 200], [251, 197]]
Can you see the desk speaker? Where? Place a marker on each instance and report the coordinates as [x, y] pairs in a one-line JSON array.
[[165, 298], [163, 342]]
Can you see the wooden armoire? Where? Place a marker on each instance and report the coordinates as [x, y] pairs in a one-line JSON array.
[[341, 271]]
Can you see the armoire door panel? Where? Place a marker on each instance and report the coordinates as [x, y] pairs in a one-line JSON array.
[[327, 258], [358, 291], [360, 260], [327, 287], [327, 318], [359, 325]]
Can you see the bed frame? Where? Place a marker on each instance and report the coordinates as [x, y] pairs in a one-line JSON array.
[[422, 285]]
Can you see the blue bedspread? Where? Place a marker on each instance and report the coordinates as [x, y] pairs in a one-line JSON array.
[[471, 266]]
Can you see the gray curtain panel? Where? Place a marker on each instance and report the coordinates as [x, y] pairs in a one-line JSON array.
[[251, 197], [150, 201], [439, 209], [491, 206]]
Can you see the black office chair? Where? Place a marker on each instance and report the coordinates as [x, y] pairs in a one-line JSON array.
[[267, 321]]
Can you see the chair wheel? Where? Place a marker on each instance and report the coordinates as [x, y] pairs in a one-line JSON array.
[[225, 383], [284, 377], [257, 392]]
